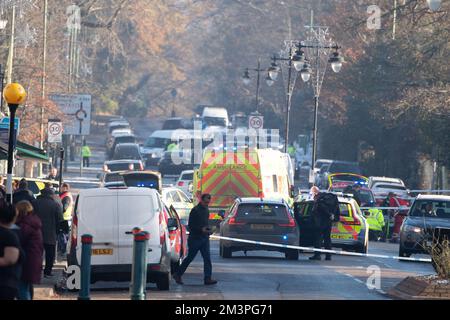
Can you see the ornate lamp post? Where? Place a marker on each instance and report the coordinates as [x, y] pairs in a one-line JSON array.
[[14, 95]]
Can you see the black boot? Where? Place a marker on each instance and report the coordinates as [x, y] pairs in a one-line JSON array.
[[315, 257]]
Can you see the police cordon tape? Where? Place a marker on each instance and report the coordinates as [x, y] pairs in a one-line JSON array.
[[338, 252]]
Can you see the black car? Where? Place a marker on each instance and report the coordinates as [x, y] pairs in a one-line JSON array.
[[127, 151], [128, 138], [123, 165], [175, 162], [428, 213], [256, 219]]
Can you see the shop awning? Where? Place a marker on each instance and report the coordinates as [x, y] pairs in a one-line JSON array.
[[24, 152]]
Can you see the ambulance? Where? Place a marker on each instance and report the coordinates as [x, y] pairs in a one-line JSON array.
[[244, 172]]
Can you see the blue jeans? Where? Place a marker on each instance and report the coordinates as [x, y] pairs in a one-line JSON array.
[[24, 290], [194, 246]]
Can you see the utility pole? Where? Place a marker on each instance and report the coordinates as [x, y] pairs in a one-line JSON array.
[[43, 80], [11, 47]]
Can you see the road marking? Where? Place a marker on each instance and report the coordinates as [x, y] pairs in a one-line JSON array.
[[346, 253]]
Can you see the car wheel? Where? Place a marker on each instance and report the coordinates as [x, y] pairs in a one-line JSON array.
[[403, 253], [291, 254], [225, 252], [163, 283]]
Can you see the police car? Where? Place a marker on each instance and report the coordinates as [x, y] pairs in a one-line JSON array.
[[351, 232]]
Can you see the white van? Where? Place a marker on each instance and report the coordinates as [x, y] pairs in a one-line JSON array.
[[215, 117], [158, 141], [110, 215]]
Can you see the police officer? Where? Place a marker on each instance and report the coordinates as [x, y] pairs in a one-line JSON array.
[[198, 240], [64, 226], [86, 154], [323, 216]]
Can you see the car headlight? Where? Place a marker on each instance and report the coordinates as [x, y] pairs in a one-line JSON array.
[[154, 155], [408, 228]]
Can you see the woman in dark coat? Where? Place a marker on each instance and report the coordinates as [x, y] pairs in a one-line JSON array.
[[32, 243]]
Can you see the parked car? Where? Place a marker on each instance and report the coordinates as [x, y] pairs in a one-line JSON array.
[[184, 180], [119, 139], [427, 213], [178, 238], [127, 151], [111, 228], [350, 232], [176, 123], [381, 186], [267, 220], [175, 162], [119, 124], [123, 165], [141, 179], [336, 167], [180, 201]]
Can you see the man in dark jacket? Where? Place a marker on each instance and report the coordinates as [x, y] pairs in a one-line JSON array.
[[199, 232], [51, 214], [325, 210], [23, 193]]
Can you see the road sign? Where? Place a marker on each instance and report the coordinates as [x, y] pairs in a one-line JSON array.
[[255, 122], [54, 131], [77, 110]]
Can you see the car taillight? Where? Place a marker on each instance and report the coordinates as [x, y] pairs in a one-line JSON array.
[[354, 222], [180, 183], [105, 168], [233, 221], [141, 166], [291, 223]]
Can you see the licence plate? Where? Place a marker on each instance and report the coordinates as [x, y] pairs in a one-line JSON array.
[[261, 226], [341, 236], [102, 252]]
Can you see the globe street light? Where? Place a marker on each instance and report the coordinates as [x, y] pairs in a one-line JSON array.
[[434, 5], [14, 95], [336, 62], [246, 77], [269, 80], [305, 72]]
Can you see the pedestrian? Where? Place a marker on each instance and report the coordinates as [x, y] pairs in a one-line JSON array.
[[198, 241], [51, 214], [53, 175], [397, 215], [86, 154], [64, 228], [2, 188], [355, 191], [23, 192], [325, 210], [10, 253], [313, 192], [33, 246]]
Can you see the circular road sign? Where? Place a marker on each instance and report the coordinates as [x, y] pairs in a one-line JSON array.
[[256, 122]]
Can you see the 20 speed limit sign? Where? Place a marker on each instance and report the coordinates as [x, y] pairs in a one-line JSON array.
[[55, 130], [256, 122]]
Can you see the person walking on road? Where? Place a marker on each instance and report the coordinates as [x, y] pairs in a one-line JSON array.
[[86, 154], [64, 228], [198, 241], [51, 214], [324, 212], [33, 246], [23, 193], [10, 253]]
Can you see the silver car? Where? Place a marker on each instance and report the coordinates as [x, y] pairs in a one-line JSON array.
[[427, 213]]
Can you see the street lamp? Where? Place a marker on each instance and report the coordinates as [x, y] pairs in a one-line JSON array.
[[318, 47], [434, 5], [269, 80], [293, 61], [246, 78], [14, 95]]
